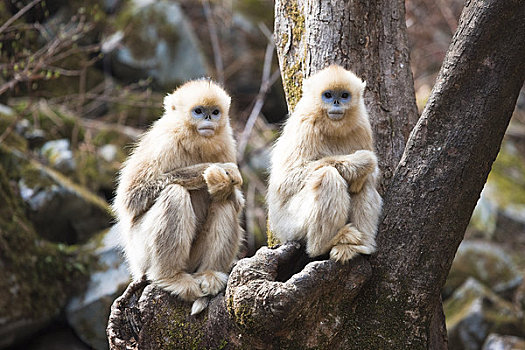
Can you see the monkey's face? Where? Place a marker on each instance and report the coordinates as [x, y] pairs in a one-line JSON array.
[[335, 102], [206, 119], [199, 107]]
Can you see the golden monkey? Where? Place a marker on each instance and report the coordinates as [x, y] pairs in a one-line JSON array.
[[322, 186], [178, 199]]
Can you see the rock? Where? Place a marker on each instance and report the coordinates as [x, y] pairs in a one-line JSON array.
[[108, 152], [473, 312], [158, 42], [55, 339], [6, 110], [59, 155], [503, 342], [500, 212], [36, 277], [488, 263], [87, 314], [61, 210]]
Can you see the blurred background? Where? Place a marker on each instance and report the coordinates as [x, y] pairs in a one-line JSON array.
[[81, 80]]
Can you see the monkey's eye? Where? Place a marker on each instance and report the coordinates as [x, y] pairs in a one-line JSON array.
[[215, 112], [327, 95], [197, 110], [345, 95]]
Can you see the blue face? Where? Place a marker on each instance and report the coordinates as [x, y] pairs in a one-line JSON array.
[[336, 102], [206, 112], [206, 119]]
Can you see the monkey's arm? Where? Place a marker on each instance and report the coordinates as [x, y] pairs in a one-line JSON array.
[[144, 192], [354, 168]]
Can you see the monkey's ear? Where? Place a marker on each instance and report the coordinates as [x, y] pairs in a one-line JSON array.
[[169, 103], [363, 86]]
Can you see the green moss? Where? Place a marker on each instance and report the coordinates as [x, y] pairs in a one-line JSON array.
[[508, 176], [55, 121], [297, 17], [292, 74], [293, 82], [256, 10], [174, 328], [37, 277], [272, 241], [7, 132]]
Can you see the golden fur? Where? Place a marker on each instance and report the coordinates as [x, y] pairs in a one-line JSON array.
[[322, 186], [178, 199]]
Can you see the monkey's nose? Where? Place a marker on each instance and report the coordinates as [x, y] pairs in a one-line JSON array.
[[336, 102]]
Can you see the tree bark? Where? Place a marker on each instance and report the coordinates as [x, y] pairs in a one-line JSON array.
[[391, 300]]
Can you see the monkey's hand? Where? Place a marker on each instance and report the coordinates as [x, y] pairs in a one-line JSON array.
[[354, 168], [221, 180]]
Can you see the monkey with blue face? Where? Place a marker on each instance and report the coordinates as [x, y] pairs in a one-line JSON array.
[[322, 185], [178, 200]]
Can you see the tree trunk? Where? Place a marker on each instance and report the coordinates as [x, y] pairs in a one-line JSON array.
[[391, 300]]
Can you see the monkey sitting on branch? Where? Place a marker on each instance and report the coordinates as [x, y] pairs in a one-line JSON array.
[[178, 200], [322, 186]]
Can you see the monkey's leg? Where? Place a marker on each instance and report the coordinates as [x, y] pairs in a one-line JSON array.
[[218, 243], [171, 223], [365, 212], [326, 203], [216, 247]]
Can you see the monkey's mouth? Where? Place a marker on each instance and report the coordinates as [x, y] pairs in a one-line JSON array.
[[336, 115], [206, 131]]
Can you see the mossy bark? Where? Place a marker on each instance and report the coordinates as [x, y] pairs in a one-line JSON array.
[[392, 299]]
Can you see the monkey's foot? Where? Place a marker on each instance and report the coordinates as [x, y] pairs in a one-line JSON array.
[[211, 282], [219, 181], [348, 242], [183, 285], [199, 305]]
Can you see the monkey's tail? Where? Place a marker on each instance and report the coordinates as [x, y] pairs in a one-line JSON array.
[[199, 305]]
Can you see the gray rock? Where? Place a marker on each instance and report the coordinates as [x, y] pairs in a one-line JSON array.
[[88, 314], [503, 342], [473, 312], [61, 210], [500, 212], [158, 43], [59, 155], [488, 263], [108, 152], [6, 110]]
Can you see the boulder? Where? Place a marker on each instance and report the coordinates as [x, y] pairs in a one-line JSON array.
[[157, 41], [88, 313], [486, 262], [59, 155], [61, 210], [36, 277], [474, 311], [503, 342], [500, 212]]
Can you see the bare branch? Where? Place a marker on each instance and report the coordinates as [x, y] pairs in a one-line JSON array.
[[219, 67], [18, 15], [266, 82]]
